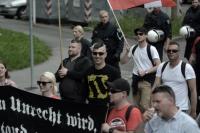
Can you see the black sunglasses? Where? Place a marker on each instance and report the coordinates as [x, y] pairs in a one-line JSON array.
[[98, 53], [43, 83], [172, 51], [140, 34]]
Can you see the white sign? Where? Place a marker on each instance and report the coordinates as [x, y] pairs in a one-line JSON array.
[[157, 3]]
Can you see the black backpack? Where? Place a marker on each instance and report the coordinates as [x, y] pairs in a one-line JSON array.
[[148, 52], [183, 65]]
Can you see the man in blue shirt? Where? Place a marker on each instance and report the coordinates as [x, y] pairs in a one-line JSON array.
[[165, 117]]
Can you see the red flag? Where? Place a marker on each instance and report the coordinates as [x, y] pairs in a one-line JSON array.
[[168, 3], [160, 3], [125, 4]]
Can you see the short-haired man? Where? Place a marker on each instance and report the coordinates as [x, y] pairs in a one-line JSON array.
[[168, 118], [111, 37], [71, 73], [98, 75], [171, 74], [117, 121]]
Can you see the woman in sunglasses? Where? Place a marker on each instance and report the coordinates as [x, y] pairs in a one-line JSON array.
[[4, 76], [47, 84]]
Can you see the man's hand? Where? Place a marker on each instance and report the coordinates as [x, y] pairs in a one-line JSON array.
[[193, 114], [148, 114], [141, 73], [63, 72], [105, 128]]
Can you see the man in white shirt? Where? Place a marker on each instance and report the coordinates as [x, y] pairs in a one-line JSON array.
[[146, 61], [172, 76]]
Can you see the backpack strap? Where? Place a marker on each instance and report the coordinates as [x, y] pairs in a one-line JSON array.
[[183, 65], [127, 114], [148, 52], [128, 111], [163, 67], [134, 48]]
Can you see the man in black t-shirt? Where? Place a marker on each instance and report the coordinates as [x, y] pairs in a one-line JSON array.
[[98, 75]]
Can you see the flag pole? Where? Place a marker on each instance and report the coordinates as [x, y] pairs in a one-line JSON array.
[[60, 33], [126, 42]]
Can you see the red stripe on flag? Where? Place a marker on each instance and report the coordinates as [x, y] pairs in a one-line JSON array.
[[168, 3], [125, 4]]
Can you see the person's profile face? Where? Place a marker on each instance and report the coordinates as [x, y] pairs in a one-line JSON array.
[[162, 104], [2, 70], [76, 33]]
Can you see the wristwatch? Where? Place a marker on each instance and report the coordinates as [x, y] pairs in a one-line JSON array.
[[146, 72], [110, 130]]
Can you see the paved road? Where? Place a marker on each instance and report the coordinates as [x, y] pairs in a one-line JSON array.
[[49, 34]]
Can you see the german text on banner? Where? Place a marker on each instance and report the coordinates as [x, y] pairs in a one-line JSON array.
[[23, 112]]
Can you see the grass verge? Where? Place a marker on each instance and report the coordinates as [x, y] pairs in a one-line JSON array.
[[15, 49]]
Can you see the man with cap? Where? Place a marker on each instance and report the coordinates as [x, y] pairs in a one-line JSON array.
[[146, 60], [117, 120]]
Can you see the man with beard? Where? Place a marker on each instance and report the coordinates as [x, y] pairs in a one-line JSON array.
[[122, 117], [165, 116], [71, 74], [192, 19]]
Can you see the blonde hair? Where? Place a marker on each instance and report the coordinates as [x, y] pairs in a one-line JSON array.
[[52, 78], [79, 28]]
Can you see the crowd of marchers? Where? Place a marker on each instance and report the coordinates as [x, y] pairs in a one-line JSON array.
[[165, 94]]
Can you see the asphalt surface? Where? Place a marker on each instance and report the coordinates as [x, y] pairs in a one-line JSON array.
[[50, 35]]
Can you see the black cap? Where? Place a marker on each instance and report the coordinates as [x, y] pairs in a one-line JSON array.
[[119, 85], [141, 29]]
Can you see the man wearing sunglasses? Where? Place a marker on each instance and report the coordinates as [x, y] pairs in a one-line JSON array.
[[117, 120], [98, 75], [71, 73], [146, 60], [173, 77]]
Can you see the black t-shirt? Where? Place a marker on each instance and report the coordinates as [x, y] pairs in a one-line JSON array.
[[98, 92]]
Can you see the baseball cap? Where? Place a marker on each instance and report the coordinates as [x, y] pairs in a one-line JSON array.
[[119, 85], [141, 29]]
